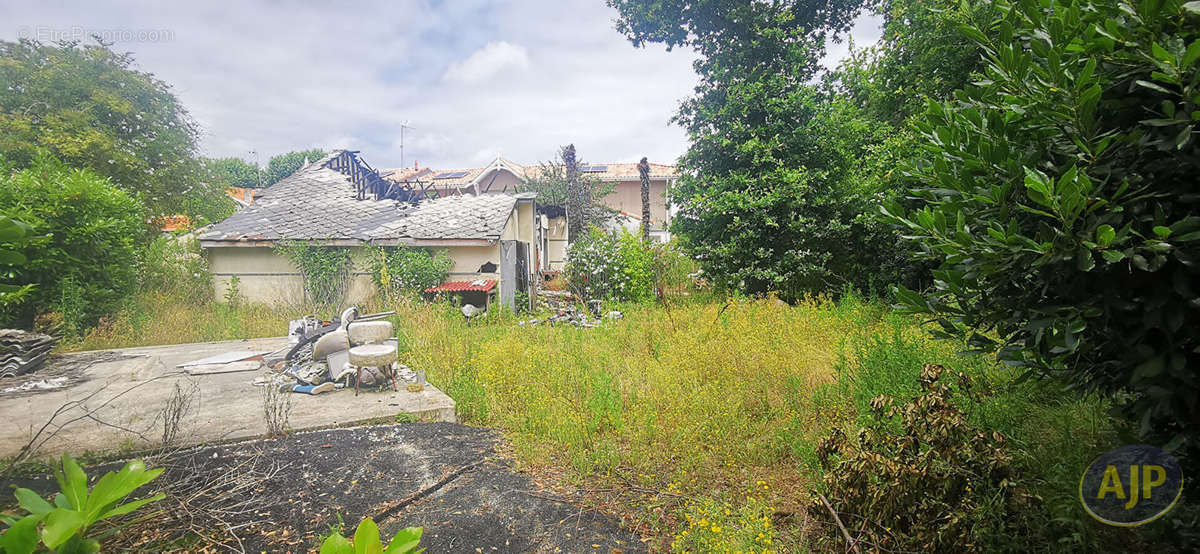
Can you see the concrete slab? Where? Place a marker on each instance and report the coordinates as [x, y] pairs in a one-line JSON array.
[[114, 400]]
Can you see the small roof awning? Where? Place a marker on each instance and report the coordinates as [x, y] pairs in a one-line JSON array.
[[480, 285]]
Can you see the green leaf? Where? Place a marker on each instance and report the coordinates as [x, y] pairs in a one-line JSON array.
[[113, 487], [1162, 232], [1153, 86], [1112, 256], [130, 506], [22, 536], [366, 538], [61, 525], [406, 541], [33, 502], [1105, 235], [337, 544], [72, 481]]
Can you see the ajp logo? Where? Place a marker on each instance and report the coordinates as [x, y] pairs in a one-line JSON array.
[[1131, 485]]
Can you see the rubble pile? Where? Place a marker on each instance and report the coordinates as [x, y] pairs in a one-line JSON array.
[[22, 352], [553, 300], [569, 315]]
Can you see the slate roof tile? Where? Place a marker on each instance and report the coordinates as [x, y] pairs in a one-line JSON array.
[[317, 202]]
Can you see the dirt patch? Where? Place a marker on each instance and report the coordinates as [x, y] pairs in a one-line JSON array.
[[283, 495]]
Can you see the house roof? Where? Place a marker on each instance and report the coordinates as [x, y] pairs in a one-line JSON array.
[[611, 172], [319, 203]]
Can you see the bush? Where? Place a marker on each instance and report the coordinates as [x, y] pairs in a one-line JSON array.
[[609, 266], [325, 269], [176, 266], [937, 484], [1061, 203], [85, 264], [400, 270], [673, 269]]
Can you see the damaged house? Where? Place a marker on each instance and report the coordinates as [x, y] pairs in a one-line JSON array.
[[503, 177], [493, 240]]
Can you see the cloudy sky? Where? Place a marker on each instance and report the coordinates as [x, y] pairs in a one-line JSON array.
[[470, 79]]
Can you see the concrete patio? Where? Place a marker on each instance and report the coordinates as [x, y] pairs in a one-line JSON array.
[[113, 400]]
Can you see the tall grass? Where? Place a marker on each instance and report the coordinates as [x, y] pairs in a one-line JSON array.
[[706, 414]]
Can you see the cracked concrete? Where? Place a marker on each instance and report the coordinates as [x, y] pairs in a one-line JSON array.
[[114, 401]]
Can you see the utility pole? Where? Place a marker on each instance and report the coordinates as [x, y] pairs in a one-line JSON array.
[[257, 169], [403, 126]]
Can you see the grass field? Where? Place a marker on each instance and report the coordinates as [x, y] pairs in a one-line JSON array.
[[696, 423]]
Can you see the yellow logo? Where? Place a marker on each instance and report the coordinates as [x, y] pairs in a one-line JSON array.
[[1131, 485]]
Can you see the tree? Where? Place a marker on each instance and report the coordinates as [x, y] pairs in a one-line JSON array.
[[282, 165], [89, 107], [84, 260], [1061, 203], [550, 183], [644, 174], [767, 200], [232, 172]]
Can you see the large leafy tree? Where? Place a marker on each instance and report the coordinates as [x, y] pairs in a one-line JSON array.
[[1062, 207], [767, 202], [92, 108]]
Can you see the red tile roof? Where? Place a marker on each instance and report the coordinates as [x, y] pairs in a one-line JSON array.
[[481, 285]]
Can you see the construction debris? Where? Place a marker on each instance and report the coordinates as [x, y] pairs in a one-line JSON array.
[[571, 316], [22, 352]]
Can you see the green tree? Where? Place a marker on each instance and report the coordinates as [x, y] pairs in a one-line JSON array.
[[84, 262], [549, 181], [282, 165], [89, 107], [766, 200], [1061, 203], [232, 172]]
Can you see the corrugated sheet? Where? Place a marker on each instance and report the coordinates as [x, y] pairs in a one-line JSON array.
[[481, 285]]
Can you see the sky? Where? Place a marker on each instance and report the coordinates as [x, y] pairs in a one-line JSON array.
[[466, 80]]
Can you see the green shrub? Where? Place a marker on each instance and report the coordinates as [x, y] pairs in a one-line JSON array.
[[673, 268], [14, 235], [84, 265], [937, 484], [610, 266], [325, 269], [402, 270], [176, 266], [1062, 207], [62, 526]]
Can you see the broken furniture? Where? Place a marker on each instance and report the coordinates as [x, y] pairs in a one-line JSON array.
[[370, 351], [22, 352]]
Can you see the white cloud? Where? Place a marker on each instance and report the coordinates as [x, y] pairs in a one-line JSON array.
[[280, 78], [487, 62]]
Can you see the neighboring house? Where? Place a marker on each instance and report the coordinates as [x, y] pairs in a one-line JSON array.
[[242, 196], [340, 201], [503, 176]]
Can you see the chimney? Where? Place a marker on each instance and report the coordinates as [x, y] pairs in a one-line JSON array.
[[416, 164]]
